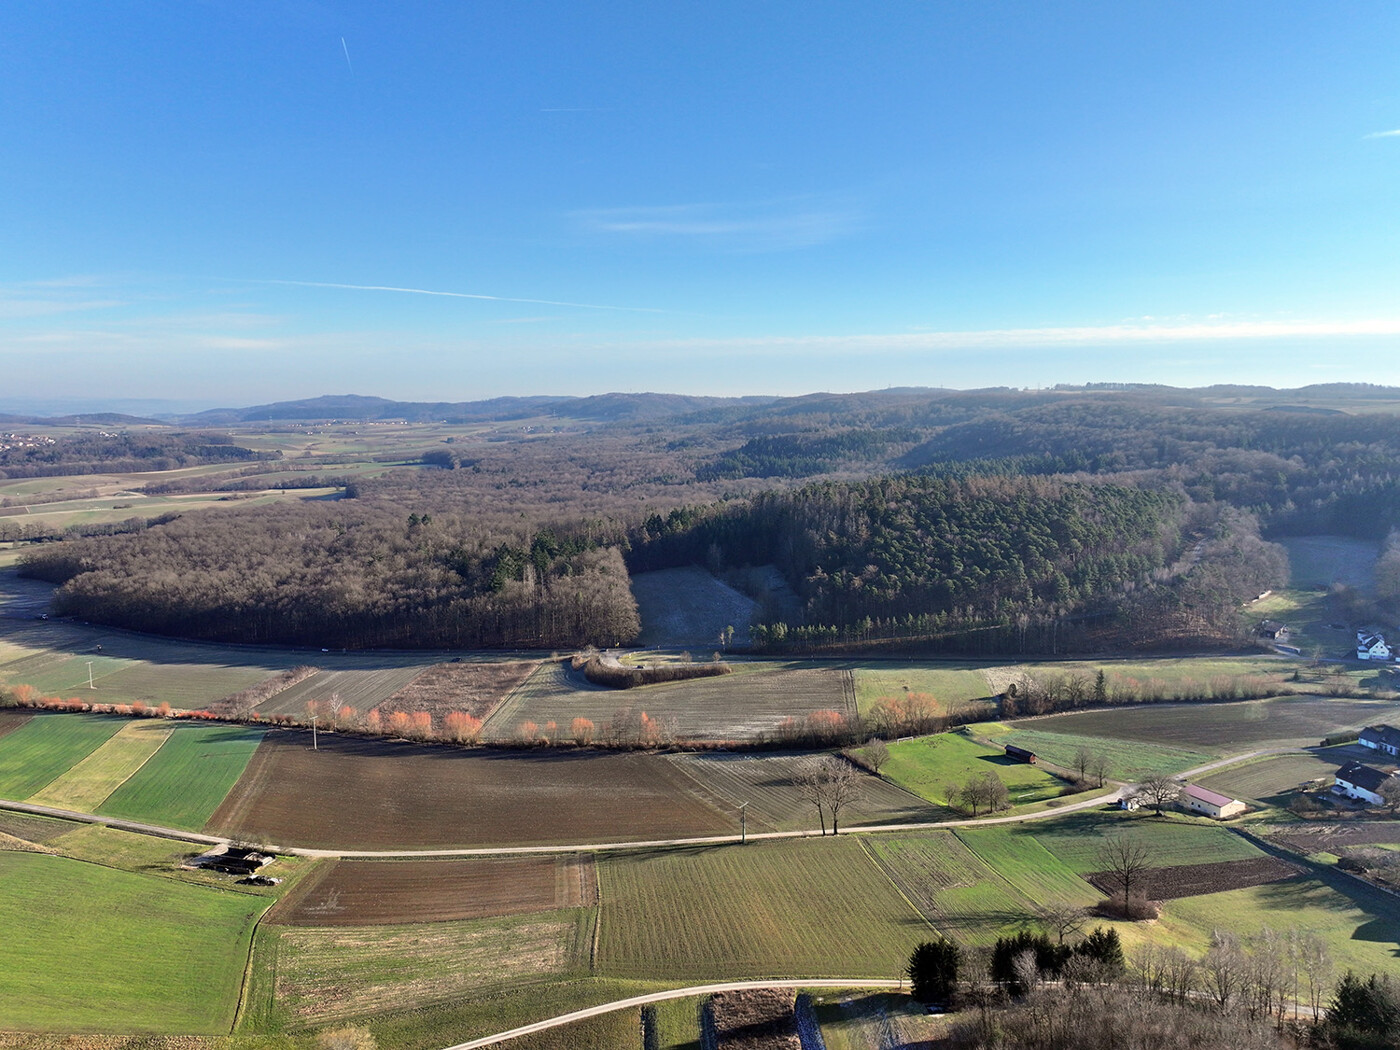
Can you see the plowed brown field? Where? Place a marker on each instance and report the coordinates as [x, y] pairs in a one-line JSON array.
[[476, 688], [1194, 880], [10, 720], [371, 794], [371, 892]]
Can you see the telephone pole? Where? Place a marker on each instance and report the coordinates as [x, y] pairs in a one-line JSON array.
[[313, 734], [743, 823]]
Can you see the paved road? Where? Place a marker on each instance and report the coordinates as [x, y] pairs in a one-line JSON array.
[[675, 993]]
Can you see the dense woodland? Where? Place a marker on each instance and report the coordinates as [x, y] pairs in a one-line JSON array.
[[980, 521], [100, 452]]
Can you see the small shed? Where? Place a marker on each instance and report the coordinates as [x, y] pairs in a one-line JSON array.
[[1273, 630], [1020, 754], [1211, 803]]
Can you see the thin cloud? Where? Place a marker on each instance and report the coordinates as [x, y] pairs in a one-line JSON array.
[[1383, 134], [763, 226], [456, 295]]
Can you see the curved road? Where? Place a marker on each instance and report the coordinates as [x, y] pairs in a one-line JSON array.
[[675, 993], [600, 847]]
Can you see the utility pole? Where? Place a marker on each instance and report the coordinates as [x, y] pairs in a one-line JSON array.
[[313, 734], [90, 685], [743, 823]]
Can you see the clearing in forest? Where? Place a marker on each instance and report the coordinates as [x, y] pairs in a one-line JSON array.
[[689, 607], [368, 892], [1320, 561]]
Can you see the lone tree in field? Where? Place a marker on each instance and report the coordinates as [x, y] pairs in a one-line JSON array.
[[877, 753], [1083, 759], [1125, 861], [933, 971], [1099, 767], [1061, 919], [1159, 789], [830, 784]]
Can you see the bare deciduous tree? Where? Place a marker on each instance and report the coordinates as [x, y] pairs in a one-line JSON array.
[[1062, 919], [1099, 768], [1160, 790], [1124, 860], [830, 784]]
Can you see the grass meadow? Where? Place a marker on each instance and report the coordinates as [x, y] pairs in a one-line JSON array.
[[89, 948], [47, 746], [89, 781], [1126, 760], [924, 765], [951, 685]]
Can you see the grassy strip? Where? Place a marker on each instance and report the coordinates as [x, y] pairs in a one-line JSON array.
[[88, 948], [188, 777], [620, 1028], [1127, 760], [87, 784], [676, 1023], [47, 746]]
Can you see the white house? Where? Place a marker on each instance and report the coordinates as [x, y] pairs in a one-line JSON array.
[[1211, 803], [1383, 738], [1371, 647], [1361, 782]]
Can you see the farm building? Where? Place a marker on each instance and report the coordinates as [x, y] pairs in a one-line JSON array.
[[1211, 803], [1361, 782], [1381, 738], [1273, 630], [1371, 647], [1020, 754]]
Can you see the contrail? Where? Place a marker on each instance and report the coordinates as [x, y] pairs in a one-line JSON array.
[[347, 55], [458, 295]]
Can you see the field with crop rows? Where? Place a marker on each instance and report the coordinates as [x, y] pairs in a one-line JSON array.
[[185, 781], [317, 975], [1076, 838], [360, 687], [766, 783], [475, 687], [1027, 865], [1126, 761], [924, 765], [609, 1031], [46, 746], [957, 892], [388, 795], [794, 908], [751, 702], [366, 892], [1298, 721], [88, 782], [89, 948]]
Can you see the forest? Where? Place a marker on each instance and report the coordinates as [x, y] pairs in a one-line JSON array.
[[987, 521], [100, 452]]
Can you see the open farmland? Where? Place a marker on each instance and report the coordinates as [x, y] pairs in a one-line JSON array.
[[475, 687], [1271, 779], [315, 975], [609, 1031], [688, 606], [1076, 838], [767, 784], [803, 908], [46, 746], [951, 683], [84, 786], [391, 795], [1193, 880], [1218, 728], [89, 948], [184, 782], [926, 764], [1126, 761], [752, 702], [957, 892], [362, 893], [1027, 865], [864, 1021], [366, 683]]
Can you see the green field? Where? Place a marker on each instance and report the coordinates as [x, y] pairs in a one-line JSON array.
[[83, 787], [1075, 839], [184, 782], [1126, 761], [46, 747], [926, 764], [90, 948], [956, 891], [676, 1023], [618, 1028], [950, 684], [792, 908], [1028, 866], [317, 975]]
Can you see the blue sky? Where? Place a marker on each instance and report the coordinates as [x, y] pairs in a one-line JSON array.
[[234, 202]]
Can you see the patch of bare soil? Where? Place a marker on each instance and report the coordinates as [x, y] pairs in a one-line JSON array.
[[1195, 880], [474, 688], [12, 718], [370, 892], [1329, 838], [759, 1019], [31, 828]]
